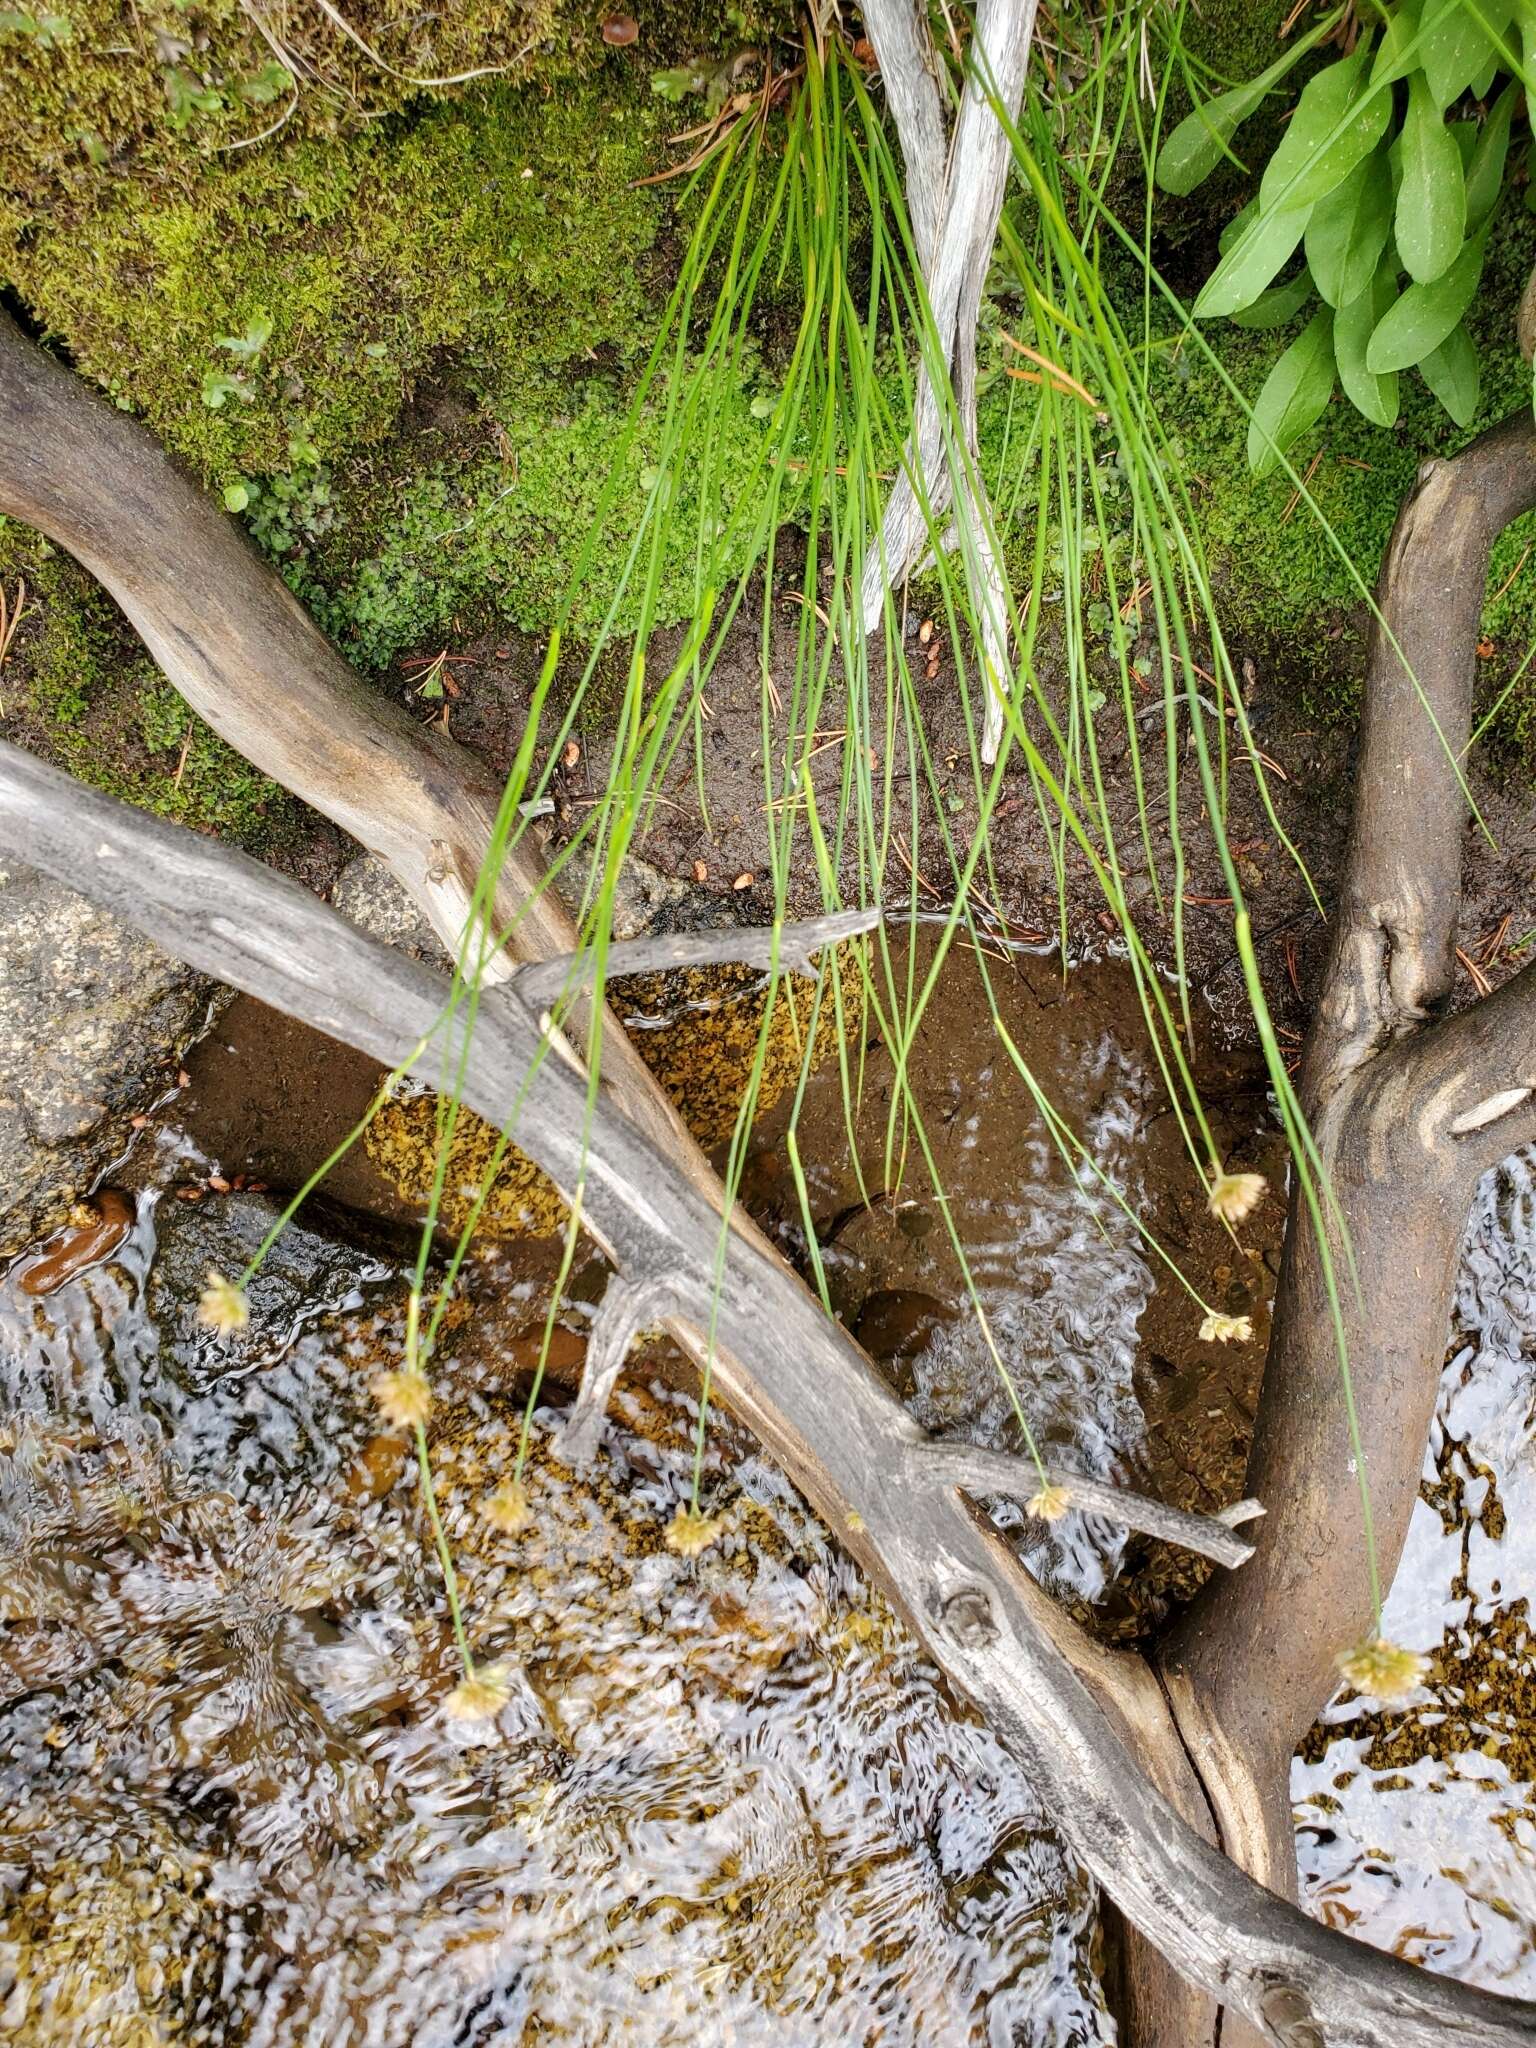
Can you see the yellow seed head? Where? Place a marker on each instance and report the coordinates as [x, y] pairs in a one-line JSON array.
[[507, 1508], [1234, 1196], [689, 1532], [1384, 1670], [404, 1398], [1218, 1329], [222, 1305], [480, 1697], [1050, 1503]]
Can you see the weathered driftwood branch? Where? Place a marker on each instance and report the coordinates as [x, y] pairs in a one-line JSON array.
[[980, 1471], [935, 471], [232, 639], [813, 1398], [249, 660], [627, 1308], [793, 948], [1407, 1114], [909, 71]]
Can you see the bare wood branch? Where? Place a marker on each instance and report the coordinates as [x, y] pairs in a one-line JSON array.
[[242, 651], [1406, 1115], [1393, 955], [813, 1398], [978, 177], [627, 1307], [909, 70], [793, 948], [1472, 1078], [981, 1470]]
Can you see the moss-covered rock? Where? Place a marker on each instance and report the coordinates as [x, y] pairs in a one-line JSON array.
[[102, 100], [284, 309], [696, 1029], [81, 690]]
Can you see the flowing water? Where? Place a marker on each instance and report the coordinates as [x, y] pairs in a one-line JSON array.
[[729, 1799], [1416, 1827]]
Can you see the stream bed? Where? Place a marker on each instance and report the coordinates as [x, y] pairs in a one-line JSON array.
[[729, 1799]]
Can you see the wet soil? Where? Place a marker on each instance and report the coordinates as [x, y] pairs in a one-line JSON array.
[[1309, 763]]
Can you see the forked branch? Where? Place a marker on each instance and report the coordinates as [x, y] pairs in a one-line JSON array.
[[1406, 1113], [813, 1398]]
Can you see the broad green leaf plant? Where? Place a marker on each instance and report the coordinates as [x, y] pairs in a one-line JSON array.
[[1377, 202]]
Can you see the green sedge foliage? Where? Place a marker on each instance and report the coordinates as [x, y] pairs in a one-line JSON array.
[[806, 215], [1377, 203]]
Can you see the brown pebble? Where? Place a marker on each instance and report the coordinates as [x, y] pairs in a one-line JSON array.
[[377, 1468], [563, 1361], [620, 30], [700, 872], [102, 1225]]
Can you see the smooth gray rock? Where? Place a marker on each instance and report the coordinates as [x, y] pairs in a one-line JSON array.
[[93, 1022]]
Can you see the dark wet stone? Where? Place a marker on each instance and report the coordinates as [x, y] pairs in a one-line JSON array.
[[895, 1326], [93, 1020]]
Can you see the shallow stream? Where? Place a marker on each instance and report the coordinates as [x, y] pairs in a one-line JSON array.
[[730, 1800]]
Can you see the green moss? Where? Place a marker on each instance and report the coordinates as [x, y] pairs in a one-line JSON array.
[[498, 537], [81, 691], [500, 234], [101, 99]]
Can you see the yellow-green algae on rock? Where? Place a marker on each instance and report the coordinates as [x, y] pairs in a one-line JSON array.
[[696, 1029]]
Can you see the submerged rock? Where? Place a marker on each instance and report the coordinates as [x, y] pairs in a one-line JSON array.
[[91, 1017]]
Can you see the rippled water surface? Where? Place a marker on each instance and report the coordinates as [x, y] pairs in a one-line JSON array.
[[1416, 1828], [728, 1800]]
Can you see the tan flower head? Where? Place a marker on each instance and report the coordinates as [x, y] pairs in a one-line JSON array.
[[689, 1532], [404, 1398], [1234, 1196], [222, 1305], [1050, 1503], [480, 1697], [1218, 1329], [507, 1508], [1384, 1670]]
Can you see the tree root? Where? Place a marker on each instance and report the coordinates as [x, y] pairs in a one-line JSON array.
[[1407, 1114]]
